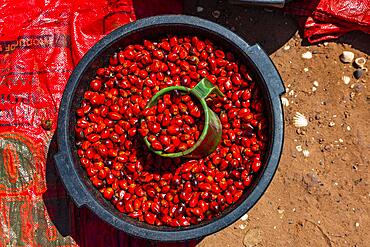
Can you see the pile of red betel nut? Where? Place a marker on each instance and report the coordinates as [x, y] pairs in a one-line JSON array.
[[113, 118]]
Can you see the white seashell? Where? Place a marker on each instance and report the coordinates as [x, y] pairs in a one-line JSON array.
[[286, 47], [244, 217], [307, 55], [299, 148], [314, 89], [199, 9], [281, 211], [306, 153], [299, 120], [216, 14], [346, 79], [360, 62], [242, 226], [316, 83], [347, 57], [284, 101]]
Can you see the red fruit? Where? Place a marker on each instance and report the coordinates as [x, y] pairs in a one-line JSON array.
[[228, 197], [155, 208], [108, 193], [195, 112], [256, 166], [156, 145], [166, 120], [95, 85], [114, 115], [173, 130], [182, 147], [205, 186], [154, 127], [170, 148], [164, 140]]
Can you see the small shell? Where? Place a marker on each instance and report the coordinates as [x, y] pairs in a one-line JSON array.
[[199, 9], [316, 83], [299, 120], [244, 217], [306, 153], [299, 148], [347, 57], [216, 14], [284, 101], [242, 226], [307, 55], [346, 79], [360, 62]]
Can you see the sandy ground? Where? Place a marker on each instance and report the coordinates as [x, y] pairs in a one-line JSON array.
[[322, 199]]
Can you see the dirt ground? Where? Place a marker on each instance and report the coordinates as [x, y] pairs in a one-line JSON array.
[[322, 199]]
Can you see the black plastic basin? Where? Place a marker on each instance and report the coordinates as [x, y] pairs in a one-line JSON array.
[[74, 177]]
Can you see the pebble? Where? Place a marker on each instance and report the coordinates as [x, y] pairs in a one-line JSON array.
[[357, 224], [316, 83], [314, 89], [331, 124], [216, 14], [358, 87], [311, 182], [327, 148], [286, 47], [306, 153], [358, 73], [252, 238], [200, 9], [347, 57], [299, 131], [346, 79], [307, 55], [348, 128]]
